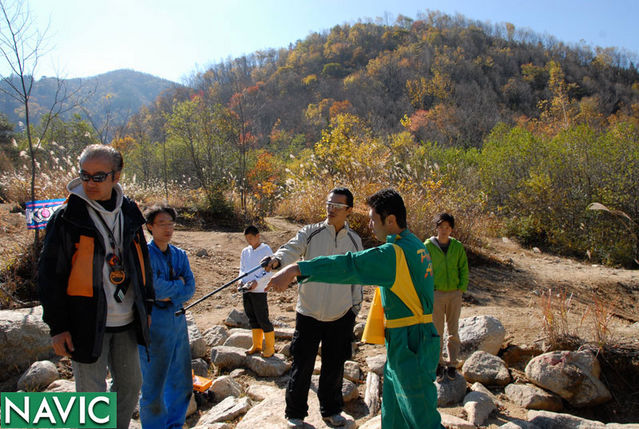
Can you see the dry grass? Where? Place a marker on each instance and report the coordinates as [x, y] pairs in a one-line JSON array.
[[568, 325]]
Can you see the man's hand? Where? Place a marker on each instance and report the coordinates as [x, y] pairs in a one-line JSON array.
[[273, 264], [62, 344], [280, 281], [246, 287]]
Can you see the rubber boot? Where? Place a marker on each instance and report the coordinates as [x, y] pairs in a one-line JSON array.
[[269, 344], [257, 342]]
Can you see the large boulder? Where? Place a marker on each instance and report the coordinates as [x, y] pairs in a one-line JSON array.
[[484, 333], [572, 375], [24, 339], [486, 369], [242, 338], [227, 357], [273, 366], [39, 375], [532, 397]]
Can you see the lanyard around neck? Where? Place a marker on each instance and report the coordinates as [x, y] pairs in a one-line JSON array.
[[111, 231]]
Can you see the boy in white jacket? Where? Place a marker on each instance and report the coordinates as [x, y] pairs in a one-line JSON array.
[[254, 296]]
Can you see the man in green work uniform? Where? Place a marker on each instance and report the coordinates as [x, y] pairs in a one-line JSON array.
[[402, 268]]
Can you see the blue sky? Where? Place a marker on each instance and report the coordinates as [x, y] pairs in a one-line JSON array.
[[172, 39]]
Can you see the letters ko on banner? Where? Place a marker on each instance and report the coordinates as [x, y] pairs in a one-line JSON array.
[[39, 212]]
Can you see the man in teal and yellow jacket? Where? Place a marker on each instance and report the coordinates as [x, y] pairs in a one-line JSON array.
[[450, 267], [402, 269]]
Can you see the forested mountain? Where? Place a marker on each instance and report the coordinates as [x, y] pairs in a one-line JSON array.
[[455, 77], [110, 98], [459, 115]]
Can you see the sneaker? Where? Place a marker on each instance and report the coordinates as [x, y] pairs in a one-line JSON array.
[[294, 423], [451, 372], [440, 373], [335, 420]]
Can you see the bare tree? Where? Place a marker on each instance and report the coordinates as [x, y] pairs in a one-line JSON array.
[[21, 47]]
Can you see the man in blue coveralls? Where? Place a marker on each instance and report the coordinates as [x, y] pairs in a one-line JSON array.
[[167, 382]]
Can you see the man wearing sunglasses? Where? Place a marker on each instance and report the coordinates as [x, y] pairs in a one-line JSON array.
[[95, 281], [325, 313]]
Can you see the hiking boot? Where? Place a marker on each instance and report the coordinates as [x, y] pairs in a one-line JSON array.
[[440, 374], [335, 420], [451, 372], [294, 423]]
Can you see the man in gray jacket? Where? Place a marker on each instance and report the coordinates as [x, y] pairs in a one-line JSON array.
[[325, 313]]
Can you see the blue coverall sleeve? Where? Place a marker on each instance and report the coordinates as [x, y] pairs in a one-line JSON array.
[[176, 290], [184, 270]]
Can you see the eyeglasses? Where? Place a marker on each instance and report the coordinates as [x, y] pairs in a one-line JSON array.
[[98, 177], [336, 206], [164, 225]]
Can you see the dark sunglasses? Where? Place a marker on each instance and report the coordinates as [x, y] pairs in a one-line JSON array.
[[97, 177]]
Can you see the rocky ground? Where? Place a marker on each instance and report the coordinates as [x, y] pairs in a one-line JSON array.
[[506, 281]]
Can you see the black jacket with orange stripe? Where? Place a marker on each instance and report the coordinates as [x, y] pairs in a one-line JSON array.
[[70, 282]]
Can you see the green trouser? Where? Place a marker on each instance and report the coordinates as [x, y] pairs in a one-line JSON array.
[[409, 398]]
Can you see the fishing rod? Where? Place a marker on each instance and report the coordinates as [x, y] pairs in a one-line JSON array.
[[262, 264]]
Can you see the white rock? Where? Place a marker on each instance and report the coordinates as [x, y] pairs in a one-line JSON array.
[[352, 371], [61, 386], [229, 409], [478, 407], [485, 333], [532, 397], [572, 375], [225, 386], [227, 357], [273, 366], [486, 369], [241, 338], [24, 338], [259, 392], [550, 420], [452, 422], [39, 375], [376, 363]]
